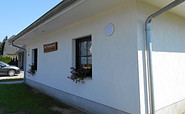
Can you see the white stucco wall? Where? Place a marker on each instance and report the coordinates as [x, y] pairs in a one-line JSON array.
[[168, 55], [115, 71]]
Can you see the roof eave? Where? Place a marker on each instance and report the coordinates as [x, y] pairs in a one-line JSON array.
[[61, 6]]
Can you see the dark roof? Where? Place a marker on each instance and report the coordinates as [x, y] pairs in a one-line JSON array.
[[9, 49]]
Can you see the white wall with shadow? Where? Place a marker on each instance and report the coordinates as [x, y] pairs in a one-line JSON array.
[[168, 55]]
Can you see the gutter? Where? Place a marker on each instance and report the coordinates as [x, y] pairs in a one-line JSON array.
[[61, 6], [150, 87], [25, 58]]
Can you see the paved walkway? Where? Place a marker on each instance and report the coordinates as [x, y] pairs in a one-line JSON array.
[[21, 75], [12, 82]]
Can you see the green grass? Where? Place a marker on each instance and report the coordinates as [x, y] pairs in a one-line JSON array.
[[8, 80], [19, 98]]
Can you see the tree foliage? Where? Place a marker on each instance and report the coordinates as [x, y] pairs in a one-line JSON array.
[[5, 59], [2, 45]]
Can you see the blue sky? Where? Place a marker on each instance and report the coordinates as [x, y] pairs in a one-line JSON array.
[[18, 14]]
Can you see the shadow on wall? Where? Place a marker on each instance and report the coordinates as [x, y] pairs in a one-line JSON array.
[[168, 34], [168, 59]]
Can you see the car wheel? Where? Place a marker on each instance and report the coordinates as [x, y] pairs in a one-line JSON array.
[[11, 72]]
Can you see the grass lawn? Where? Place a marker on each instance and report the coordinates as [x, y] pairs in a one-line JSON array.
[[21, 99], [7, 80]]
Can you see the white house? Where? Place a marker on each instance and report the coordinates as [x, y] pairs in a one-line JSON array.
[[111, 37], [15, 53]]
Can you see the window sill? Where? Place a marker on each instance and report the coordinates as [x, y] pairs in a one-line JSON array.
[[88, 78]]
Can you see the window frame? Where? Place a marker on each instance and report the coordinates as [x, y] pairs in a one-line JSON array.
[[78, 49], [35, 58]]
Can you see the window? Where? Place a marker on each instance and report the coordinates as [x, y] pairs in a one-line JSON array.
[[84, 54], [34, 58]]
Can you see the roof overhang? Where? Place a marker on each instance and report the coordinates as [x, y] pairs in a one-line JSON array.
[[178, 10], [74, 12], [71, 11]]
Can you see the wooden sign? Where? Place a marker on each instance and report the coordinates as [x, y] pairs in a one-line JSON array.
[[50, 47]]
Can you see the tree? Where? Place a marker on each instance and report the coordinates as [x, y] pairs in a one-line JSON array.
[[6, 59], [2, 45]]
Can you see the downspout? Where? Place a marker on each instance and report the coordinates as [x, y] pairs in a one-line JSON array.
[[25, 53], [61, 6], [150, 87]]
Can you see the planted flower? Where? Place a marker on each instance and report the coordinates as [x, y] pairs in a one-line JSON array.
[[78, 75], [32, 70]]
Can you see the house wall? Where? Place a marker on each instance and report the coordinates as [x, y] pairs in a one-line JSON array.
[[114, 82], [168, 58]]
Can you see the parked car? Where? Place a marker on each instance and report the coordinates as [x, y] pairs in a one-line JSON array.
[[6, 69]]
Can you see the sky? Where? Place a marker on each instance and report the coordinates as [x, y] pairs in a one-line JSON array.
[[16, 15]]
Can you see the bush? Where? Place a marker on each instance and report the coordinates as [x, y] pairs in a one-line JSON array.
[[5, 59]]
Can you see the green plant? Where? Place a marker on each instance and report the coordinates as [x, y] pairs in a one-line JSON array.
[[21, 99], [32, 70], [5, 59], [78, 75]]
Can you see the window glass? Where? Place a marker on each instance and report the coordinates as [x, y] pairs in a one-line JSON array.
[[83, 49], [34, 58], [83, 61], [89, 48], [89, 60], [84, 54]]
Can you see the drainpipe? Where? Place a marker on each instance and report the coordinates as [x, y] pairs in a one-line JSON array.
[[150, 87], [25, 53], [61, 6]]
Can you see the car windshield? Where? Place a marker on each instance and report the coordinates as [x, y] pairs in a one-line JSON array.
[[4, 64]]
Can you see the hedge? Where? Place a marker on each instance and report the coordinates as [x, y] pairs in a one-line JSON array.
[[5, 59]]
